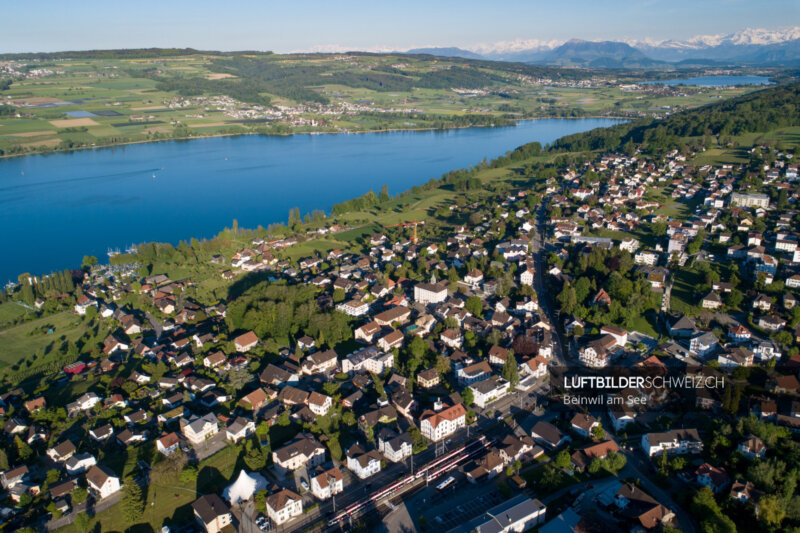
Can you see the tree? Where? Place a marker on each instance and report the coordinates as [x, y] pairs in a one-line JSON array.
[[284, 419], [53, 476], [78, 495], [335, 448], [23, 450], [3, 460], [467, 396], [417, 347], [772, 510], [442, 365], [132, 501], [419, 443], [510, 371], [82, 522], [598, 432], [567, 298], [51, 508], [88, 261], [254, 457], [563, 459], [659, 229], [475, 306], [338, 295]]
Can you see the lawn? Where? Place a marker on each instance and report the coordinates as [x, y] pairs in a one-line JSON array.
[[682, 297], [28, 339], [169, 502], [644, 324], [10, 311]]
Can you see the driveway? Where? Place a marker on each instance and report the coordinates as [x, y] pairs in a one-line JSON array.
[[210, 447], [90, 506]]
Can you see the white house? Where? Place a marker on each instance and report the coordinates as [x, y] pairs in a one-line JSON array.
[[353, 308], [102, 481], [620, 417], [436, 426], [619, 334], [240, 428], [703, 344], [430, 293], [167, 444], [283, 506], [79, 463], [752, 447], [327, 484], [303, 451], [319, 404], [526, 278], [197, 430], [489, 390], [583, 424], [677, 441], [395, 447], [361, 463], [212, 512]]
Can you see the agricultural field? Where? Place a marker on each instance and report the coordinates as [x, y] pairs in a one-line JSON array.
[[86, 102]]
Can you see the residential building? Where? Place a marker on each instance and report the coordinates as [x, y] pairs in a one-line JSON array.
[[327, 484], [283, 506], [489, 390], [102, 482], [677, 441], [303, 451], [212, 513], [199, 429], [436, 426]]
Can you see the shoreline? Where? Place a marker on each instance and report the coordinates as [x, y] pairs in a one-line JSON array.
[[357, 132], [518, 123]]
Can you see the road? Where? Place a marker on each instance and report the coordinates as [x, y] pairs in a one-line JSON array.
[[539, 262], [157, 326], [639, 467], [96, 507]]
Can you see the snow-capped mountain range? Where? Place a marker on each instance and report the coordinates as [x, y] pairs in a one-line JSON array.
[[748, 36], [748, 46], [751, 46]]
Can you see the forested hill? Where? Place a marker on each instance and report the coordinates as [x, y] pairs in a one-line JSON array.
[[760, 111]]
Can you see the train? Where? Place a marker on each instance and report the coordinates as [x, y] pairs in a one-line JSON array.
[[430, 472], [446, 483]]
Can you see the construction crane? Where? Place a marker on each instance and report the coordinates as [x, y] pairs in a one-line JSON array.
[[415, 223]]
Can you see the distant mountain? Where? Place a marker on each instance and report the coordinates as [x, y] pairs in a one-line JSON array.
[[593, 54], [445, 52], [749, 46]]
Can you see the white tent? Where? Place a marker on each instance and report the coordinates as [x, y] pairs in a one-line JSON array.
[[244, 487]]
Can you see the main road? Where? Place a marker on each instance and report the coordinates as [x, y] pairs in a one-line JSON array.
[[545, 301]]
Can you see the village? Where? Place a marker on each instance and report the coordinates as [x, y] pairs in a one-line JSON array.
[[422, 373]]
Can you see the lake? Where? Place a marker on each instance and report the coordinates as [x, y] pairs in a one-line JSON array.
[[714, 81], [56, 208]]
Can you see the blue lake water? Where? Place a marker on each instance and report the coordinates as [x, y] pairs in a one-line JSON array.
[[714, 81], [55, 208]]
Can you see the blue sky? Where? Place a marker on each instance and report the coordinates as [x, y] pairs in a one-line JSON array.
[[47, 25]]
